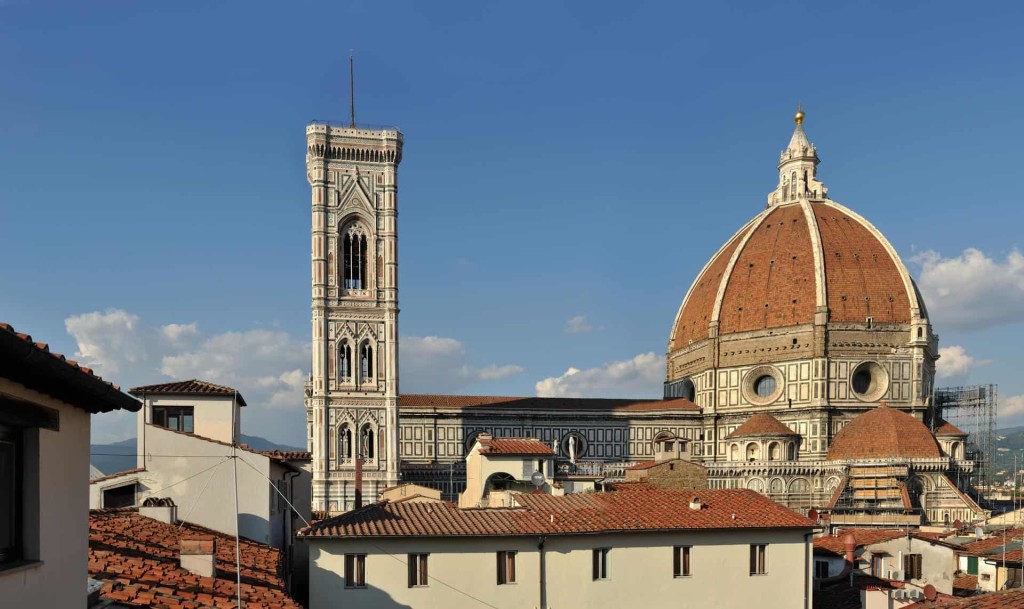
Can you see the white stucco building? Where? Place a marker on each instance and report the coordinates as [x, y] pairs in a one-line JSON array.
[[635, 547], [46, 402]]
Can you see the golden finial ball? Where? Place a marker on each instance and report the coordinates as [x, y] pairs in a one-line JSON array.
[[799, 116]]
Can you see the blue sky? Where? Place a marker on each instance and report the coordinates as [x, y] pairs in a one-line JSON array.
[[562, 161]]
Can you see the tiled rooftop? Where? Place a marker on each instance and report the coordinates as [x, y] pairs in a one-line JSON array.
[[103, 396], [836, 544], [513, 446], [762, 424], [189, 387], [633, 508], [883, 433], [137, 560], [945, 428], [126, 472], [1009, 599], [534, 403]]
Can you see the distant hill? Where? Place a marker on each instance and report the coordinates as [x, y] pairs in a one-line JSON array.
[[1009, 442], [119, 456]]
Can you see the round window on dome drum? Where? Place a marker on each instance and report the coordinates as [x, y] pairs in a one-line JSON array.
[[869, 381], [765, 385]]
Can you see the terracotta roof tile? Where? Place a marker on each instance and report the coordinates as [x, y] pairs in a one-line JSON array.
[[762, 424], [882, 433], [965, 585], [945, 428], [189, 387], [137, 559], [1009, 599], [695, 314], [628, 508], [284, 455], [22, 356], [541, 404], [126, 472], [513, 446], [836, 543]]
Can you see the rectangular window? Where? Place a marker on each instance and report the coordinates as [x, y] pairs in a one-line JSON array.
[[820, 569], [178, 418], [681, 561], [10, 495], [758, 559], [601, 563], [355, 570], [877, 565], [911, 566], [506, 567], [418, 570]]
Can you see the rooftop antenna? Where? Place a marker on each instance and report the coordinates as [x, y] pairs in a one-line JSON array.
[[351, 91]]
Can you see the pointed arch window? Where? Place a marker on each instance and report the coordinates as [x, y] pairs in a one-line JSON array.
[[365, 362], [345, 442], [345, 361], [367, 444], [353, 253]]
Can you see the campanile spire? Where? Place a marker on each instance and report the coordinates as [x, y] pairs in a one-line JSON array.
[[798, 168]]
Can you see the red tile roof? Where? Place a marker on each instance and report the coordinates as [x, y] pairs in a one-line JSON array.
[[883, 433], [1009, 599], [965, 585], [762, 425], [987, 545], [126, 472], [33, 364], [189, 387], [627, 509], [945, 428], [542, 404], [137, 559], [513, 446], [836, 544], [284, 455]]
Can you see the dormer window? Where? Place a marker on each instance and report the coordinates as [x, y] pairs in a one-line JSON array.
[[177, 418]]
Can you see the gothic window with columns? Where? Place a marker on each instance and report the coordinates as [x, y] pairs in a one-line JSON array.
[[345, 361], [365, 362], [353, 254], [345, 442], [367, 444]]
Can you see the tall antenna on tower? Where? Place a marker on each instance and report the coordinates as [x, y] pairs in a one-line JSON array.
[[351, 92]]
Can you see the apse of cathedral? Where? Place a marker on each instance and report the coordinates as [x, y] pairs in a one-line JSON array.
[[800, 364]]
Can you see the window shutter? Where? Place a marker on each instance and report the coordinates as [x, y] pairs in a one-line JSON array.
[[597, 566], [412, 570], [501, 565], [423, 569], [676, 566], [753, 559]]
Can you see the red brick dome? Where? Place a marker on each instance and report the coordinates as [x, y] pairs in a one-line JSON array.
[[791, 259], [762, 424], [883, 433]]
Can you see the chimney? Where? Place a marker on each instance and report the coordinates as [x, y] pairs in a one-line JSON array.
[[162, 509], [695, 504], [199, 555], [850, 545]]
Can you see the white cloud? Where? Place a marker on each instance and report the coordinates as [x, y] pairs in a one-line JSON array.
[[640, 376], [972, 291], [1011, 410], [266, 366], [437, 364], [578, 325], [954, 361]]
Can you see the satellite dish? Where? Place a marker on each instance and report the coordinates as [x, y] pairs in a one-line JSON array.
[[978, 531], [929, 592], [812, 514], [957, 524], [537, 479]]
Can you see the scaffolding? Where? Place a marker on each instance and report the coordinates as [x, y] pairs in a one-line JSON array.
[[973, 410]]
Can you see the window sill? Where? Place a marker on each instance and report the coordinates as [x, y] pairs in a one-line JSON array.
[[18, 567], [362, 587], [688, 576]]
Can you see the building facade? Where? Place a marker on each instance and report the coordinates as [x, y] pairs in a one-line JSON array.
[[589, 549], [804, 321]]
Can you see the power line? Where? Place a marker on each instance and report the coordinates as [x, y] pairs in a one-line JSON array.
[[151, 493], [151, 455]]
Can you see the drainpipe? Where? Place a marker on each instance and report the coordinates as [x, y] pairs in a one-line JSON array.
[[288, 515], [807, 568], [543, 574]]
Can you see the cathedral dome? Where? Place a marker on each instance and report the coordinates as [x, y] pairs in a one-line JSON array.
[[883, 433], [803, 255]]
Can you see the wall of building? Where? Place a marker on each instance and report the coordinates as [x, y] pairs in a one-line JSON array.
[[937, 562], [175, 465], [640, 568], [56, 510], [217, 418]]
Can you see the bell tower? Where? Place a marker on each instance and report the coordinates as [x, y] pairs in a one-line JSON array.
[[352, 395]]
